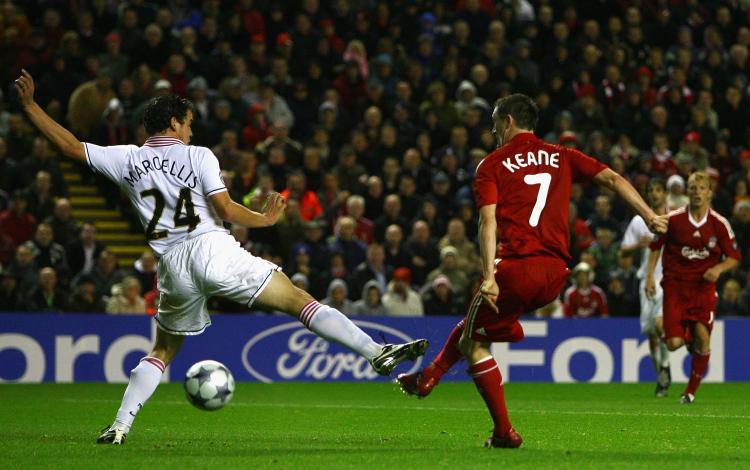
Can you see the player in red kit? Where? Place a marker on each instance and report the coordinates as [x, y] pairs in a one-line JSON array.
[[696, 240], [522, 190]]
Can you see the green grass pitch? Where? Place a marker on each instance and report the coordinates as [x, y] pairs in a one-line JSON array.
[[353, 425]]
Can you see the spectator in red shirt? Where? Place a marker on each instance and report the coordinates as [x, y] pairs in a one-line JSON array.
[[15, 221], [296, 188], [584, 299]]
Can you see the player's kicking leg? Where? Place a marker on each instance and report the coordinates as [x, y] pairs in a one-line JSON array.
[[329, 323], [143, 382], [421, 383], [488, 380]]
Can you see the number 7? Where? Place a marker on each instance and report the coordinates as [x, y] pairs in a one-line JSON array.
[[543, 180]]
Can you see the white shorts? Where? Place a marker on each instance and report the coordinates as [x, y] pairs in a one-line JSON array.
[[651, 309], [196, 269]]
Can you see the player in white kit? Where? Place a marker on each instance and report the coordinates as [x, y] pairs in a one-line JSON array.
[[638, 236], [182, 200]]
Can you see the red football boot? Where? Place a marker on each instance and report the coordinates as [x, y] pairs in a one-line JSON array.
[[512, 440], [417, 384]]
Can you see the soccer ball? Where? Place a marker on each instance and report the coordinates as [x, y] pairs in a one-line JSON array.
[[209, 385]]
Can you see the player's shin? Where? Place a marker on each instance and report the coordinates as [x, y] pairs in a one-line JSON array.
[[489, 382], [699, 364], [143, 382], [448, 356], [329, 323]]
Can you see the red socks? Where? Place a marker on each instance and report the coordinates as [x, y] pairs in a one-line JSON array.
[[699, 364], [489, 382], [449, 355]]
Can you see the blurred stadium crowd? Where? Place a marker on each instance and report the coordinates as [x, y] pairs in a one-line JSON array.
[[370, 116]]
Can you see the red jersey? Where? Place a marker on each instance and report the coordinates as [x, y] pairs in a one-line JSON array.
[[691, 247], [529, 180], [583, 303]]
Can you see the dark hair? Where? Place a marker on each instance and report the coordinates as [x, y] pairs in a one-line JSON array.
[[160, 111], [521, 107], [656, 181]]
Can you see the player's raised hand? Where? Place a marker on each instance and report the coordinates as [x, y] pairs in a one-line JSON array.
[[659, 224], [489, 291], [275, 205], [25, 86]]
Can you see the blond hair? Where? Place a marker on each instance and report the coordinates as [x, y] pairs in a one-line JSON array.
[[699, 176]]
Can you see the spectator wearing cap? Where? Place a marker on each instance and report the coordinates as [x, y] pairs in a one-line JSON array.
[[113, 58], [16, 222], [438, 299], [449, 267], [301, 281], [466, 96], [400, 300], [315, 242], [691, 146], [88, 102], [584, 299], [676, 196]]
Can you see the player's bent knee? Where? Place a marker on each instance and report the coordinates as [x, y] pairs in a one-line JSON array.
[[674, 344]]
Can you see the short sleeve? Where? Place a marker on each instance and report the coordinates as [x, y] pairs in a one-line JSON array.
[[631, 236], [109, 161], [657, 243], [583, 167], [485, 185], [727, 240], [210, 174]]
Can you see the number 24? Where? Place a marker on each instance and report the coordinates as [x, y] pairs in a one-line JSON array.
[[543, 180]]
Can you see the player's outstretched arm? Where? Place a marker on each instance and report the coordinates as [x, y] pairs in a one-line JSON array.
[[235, 213], [618, 184], [60, 136]]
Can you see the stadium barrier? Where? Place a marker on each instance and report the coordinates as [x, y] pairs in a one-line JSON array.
[[261, 348]]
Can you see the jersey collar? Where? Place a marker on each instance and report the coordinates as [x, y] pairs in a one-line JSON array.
[[522, 137], [162, 141]]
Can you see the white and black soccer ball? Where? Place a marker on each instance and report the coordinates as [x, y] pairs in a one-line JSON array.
[[209, 385]]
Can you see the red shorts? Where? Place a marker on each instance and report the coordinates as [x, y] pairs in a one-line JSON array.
[[687, 303], [525, 284]]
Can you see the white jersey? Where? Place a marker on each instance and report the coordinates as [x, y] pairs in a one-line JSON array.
[[169, 184], [636, 230]]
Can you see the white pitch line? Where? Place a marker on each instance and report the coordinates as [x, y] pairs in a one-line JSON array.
[[437, 408]]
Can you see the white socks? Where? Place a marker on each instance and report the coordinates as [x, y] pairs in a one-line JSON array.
[[332, 325], [143, 382], [663, 354]]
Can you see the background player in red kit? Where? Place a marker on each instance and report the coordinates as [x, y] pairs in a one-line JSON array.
[[522, 190], [584, 299], [697, 237]]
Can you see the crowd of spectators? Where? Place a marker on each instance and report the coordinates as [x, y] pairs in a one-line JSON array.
[[370, 117]]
